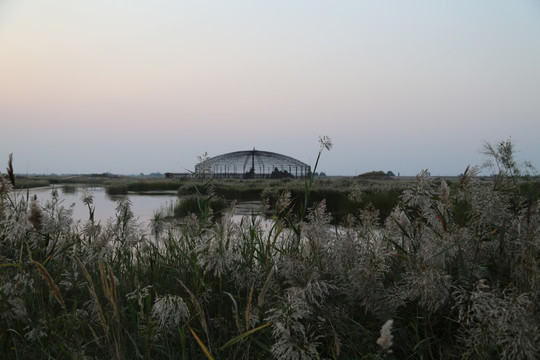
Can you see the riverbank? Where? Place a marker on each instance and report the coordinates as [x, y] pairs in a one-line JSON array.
[[344, 196]]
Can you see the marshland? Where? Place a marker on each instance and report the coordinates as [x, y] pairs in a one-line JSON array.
[[338, 192], [349, 268]]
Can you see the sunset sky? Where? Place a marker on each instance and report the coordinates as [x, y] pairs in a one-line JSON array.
[[136, 86]]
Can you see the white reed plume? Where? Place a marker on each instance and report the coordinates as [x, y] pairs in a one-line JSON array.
[[169, 312], [326, 142], [385, 341]]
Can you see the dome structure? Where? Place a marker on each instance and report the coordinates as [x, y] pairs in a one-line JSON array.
[[253, 164]]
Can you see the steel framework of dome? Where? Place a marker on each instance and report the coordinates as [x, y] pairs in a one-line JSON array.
[[253, 164]]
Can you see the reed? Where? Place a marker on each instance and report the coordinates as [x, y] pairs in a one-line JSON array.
[[451, 271], [198, 205]]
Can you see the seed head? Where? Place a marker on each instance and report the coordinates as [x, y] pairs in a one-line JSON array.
[[326, 142], [385, 341], [35, 216]]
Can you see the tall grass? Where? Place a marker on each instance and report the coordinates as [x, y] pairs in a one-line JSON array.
[[452, 272]]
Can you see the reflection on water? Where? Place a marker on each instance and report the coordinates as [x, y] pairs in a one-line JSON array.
[[143, 206]]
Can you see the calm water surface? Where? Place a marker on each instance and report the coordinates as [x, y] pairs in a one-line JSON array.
[[143, 205]]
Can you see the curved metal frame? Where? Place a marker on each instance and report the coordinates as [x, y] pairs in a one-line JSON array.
[[253, 164]]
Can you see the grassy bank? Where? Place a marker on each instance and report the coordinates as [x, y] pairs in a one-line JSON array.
[[344, 196], [28, 182], [383, 195]]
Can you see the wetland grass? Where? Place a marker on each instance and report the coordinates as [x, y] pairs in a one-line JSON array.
[[452, 272]]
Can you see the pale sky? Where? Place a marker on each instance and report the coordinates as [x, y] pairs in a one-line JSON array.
[[146, 86]]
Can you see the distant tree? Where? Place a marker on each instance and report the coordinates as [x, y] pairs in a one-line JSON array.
[[373, 174], [390, 173], [276, 174]]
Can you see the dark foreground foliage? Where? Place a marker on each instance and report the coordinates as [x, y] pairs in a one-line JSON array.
[[452, 272]]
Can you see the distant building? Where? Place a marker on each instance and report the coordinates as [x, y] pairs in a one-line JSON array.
[[252, 164]]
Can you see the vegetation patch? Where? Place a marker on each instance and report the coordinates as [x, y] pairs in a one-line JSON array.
[[199, 205], [452, 272], [375, 175]]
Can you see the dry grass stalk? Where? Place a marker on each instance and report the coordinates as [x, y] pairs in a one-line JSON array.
[[106, 289], [50, 282], [260, 299], [201, 344], [114, 299], [198, 307], [237, 321], [109, 287], [94, 295], [248, 307]]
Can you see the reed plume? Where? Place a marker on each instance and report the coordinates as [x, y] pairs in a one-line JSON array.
[[50, 282], [11, 173]]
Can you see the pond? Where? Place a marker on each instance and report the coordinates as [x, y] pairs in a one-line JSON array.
[[144, 205]]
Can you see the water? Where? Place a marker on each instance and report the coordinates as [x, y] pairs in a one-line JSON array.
[[143, 205]]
